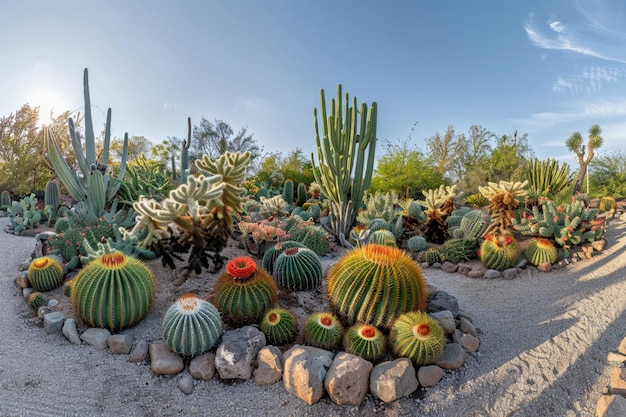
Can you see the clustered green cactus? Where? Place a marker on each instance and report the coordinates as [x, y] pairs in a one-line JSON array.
[[432, 256], [461, 249], [541, 250], [417, 336], [113, 292], [375, 284], [45, 274], [298, 269], [191, 326], [323, 330], [279, 326], [607, 204], [364, 340]]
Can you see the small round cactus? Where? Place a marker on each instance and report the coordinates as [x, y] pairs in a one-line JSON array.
[[272, 253], [382, 237], [191, 326], [417, 336], [113, 291], [378, 224], [432, 255], [364, 340], [45, 274], [323, 330], [607, 204], [541, 250], [243, 293], [499, 251], [298, 269], [279, 326], [36, 300], [417, 244]]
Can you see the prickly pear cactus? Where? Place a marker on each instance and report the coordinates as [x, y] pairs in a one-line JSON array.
[[417, 336], [45, 274]]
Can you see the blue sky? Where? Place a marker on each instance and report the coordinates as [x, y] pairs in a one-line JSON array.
[[546, 68]]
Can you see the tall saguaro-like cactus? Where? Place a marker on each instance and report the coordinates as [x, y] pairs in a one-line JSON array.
[[346, 156]]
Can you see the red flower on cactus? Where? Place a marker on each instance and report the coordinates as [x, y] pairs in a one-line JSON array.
[[368, 331], [556, 218], [488, 237], [241, 267], [559, 209], [326, 320], [508, 240]]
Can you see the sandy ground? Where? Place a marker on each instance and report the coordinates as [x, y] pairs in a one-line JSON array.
[[544, 341]]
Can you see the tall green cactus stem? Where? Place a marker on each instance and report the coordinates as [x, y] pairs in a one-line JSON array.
[[541, 250], [375, 284], [323, 330], [113, 292], [273, 252], [87, 187], [500, 251], [346, 151], [417, 244], [279, 326], [52, 196], [191, 326], [184, 154], [301, 195], [45, 274], [288, 189], [244, 293], [364, 340], [433, 255], [298, 269], [417, 336], [36, 300], [383, 237], [5, 200]]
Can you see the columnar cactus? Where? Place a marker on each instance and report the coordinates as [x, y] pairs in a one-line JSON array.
[[346, 154], [298, 269], [288, 188], [51, 196], [541, 250], [114, 292], [301, 195], [417, 244], [439, 204], [500, 252], [191, 326], [375, 284], [417, 336], [45, 274], [364, 340], [323, 330], [244, 293], [279, 326], [5, 200]]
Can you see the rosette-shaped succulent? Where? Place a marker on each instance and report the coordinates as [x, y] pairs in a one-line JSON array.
[[499, 251], [36, 300], [279, 326], [191, 326], [298, 269], [541, 250], [375, 284], [364, 340], [45, 274], [113, 291], [243, 293], [323, 330], [417, 336]]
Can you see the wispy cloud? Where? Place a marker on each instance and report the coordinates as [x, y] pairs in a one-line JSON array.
[[594, 32], [171, 106], [599, 109], [590, 81], [253, 105]]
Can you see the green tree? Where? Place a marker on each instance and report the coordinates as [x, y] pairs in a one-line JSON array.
[[441, 150], [215, 139], [608, 175], [405, 170], [274, 168], [166, 151], [584, 153], [137, 146]]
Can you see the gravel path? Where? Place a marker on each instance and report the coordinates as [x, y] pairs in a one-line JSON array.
[[544, 341]]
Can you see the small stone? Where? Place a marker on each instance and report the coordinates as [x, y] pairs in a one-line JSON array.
[[23, 266], [425, 265], [53, 303], [449, 267], [622, 346], [53, 322], [139, 352], [436, 265], [96, 337], [453, 357], [598, 245], [27, 291], [467, 326], [492, 274], [70, 332], [43, 310], [163, 361], [509, 273], [185, 384], [469, 342], [618, 381], [390, 381], [464, 269], [203, 366], [521, 264], [616, 357], [446, 320], [347, 379], [22, 281], [429, 376], [120, 344], [545, 267], [476, 273], [611, 406], [270, 366]]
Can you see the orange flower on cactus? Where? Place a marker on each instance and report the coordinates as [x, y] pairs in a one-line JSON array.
[[241, 267], [488, 237]]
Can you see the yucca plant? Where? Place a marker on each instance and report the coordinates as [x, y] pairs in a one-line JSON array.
[[191, 326], [417, 336], [500, 251], [45, 274], [298, 269], [477, 201], [364, 340], [541, 250], [547, 178], [114, 292], [280, 326], [323, 330], [375, 284], [243, 293]]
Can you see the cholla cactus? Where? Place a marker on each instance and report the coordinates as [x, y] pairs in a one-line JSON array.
[[439, 205], [503, 200], [273, 206]]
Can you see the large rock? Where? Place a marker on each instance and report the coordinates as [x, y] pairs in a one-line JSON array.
[[305, 370], [270, 366], [453, 357], [163, 361], [96, 337], [390, 381], [347, 380], [440, 301], [70, 332], [611, 406], [120, 344], [618, 381], [203, 366], [446, 320], [237, 352]]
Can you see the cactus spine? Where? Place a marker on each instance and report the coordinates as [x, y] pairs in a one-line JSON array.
[[298, 269], [541, 250], [499, 251], [45, 274], [417, 336], [191, 326], [345, 150], [279, 326], [114, 292], [323, 330], [375, 284], [364, 340]]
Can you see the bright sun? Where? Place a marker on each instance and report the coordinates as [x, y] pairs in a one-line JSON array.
[[48, 100]]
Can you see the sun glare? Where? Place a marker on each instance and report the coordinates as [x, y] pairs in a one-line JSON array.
[[48, 100]]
